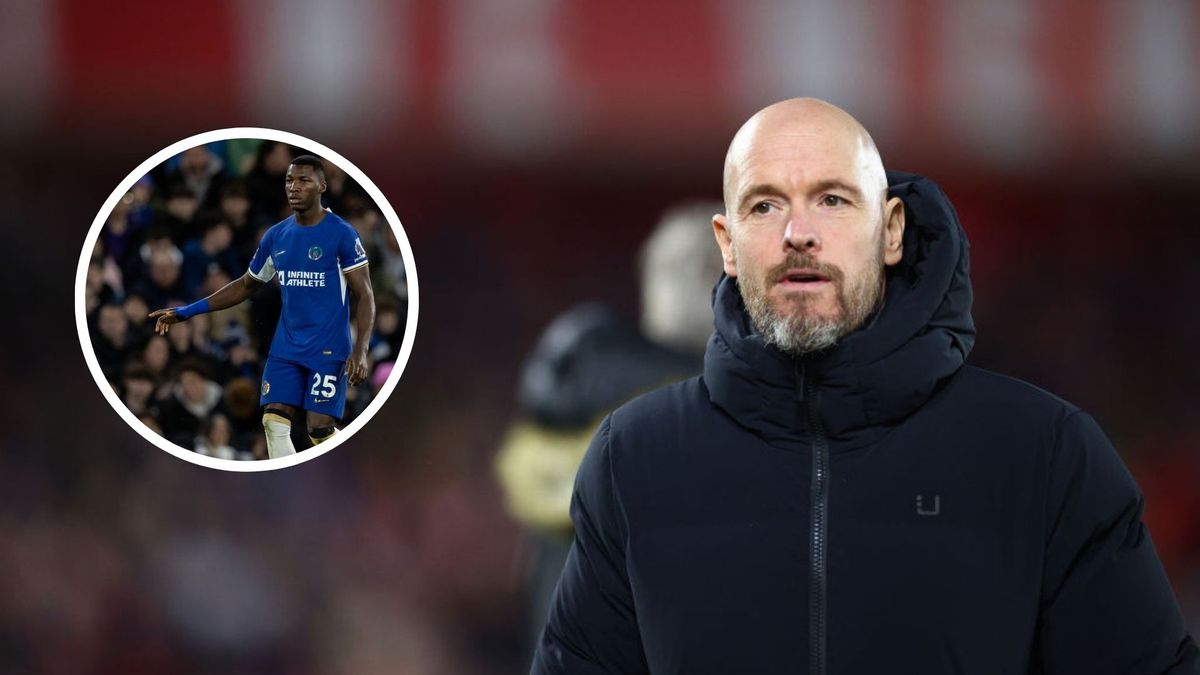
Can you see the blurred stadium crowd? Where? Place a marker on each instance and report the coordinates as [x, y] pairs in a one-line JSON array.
[[185, 230]]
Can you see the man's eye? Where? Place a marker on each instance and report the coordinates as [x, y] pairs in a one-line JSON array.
[[761, 208], [832, 200]]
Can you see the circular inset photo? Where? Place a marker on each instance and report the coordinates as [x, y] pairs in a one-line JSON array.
[[246, 299]]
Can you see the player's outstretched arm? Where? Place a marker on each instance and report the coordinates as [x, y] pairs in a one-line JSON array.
[[364, 322], [233, 293]]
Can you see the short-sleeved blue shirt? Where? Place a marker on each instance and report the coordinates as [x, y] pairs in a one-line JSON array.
[[311, 261]]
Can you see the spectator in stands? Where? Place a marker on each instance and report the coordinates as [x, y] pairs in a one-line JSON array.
[[215, 438], [194, 396], [141, 213], [136, 267], [137, 313], [213, 248], [156, 355], [387, 266], [164, 286], [111, 340], [201, 342], [202, 173], [389, 329], [230, 321], [179, 216], [235, 210], [120, 234], [265, 181], [151, 423], [241, 358], [245, 419], [183, 346], [137, 389], [95, 291]]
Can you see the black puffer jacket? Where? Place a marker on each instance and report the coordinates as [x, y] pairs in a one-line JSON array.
[[883, 509]]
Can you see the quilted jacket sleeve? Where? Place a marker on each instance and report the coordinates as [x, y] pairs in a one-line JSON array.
[[592, 628], [1106, 604]]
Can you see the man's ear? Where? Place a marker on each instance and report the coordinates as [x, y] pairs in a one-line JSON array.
[[893, 231], [725, 242]]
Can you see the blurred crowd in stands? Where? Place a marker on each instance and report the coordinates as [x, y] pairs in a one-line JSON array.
[[183, 231]]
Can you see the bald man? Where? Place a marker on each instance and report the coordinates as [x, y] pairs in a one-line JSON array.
[[838, 492]]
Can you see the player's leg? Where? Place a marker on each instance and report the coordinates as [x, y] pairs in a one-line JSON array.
[[277, 427], [326, 400], [321, 427], [282, 394]]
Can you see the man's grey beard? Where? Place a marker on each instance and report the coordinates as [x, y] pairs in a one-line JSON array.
[[800, 333]]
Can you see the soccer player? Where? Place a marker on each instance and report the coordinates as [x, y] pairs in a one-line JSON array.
[[317, 255]]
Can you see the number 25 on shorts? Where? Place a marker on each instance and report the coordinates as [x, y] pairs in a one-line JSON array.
[[326, 387]]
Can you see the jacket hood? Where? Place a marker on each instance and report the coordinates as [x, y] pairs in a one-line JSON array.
[[876, 376]]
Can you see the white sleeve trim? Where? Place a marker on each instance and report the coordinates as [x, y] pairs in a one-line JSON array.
[[267, 272], [354, 267]]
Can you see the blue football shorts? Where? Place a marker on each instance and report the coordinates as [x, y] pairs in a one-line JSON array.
[[319, 386]]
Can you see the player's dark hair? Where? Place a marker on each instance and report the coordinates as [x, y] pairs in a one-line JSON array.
[[311, 160]]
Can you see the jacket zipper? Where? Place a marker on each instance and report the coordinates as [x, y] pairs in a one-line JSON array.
[[818, 523]]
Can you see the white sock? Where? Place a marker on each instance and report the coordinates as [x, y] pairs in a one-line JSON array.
[[278, 430]]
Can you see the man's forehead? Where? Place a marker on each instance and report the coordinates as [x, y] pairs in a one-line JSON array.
[[799, 156], [802, 140]]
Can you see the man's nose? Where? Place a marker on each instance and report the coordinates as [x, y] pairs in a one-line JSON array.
[[801, 235]]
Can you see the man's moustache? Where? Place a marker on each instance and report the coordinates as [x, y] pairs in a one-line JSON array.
[[831, 272]]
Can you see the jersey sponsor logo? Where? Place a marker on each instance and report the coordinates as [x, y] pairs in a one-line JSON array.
[[315, 253], [358, 248], [301, 278]]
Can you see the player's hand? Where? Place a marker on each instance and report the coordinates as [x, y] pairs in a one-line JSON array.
[[165, 317], [356, 368]]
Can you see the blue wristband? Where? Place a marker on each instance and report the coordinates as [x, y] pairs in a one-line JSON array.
[[188, 311]]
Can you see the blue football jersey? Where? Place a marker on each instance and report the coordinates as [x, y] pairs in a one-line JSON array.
[[311, 261]]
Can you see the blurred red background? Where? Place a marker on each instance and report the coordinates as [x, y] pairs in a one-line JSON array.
[[528, 147]]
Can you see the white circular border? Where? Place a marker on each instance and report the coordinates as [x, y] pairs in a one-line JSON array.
[[410, 269]]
